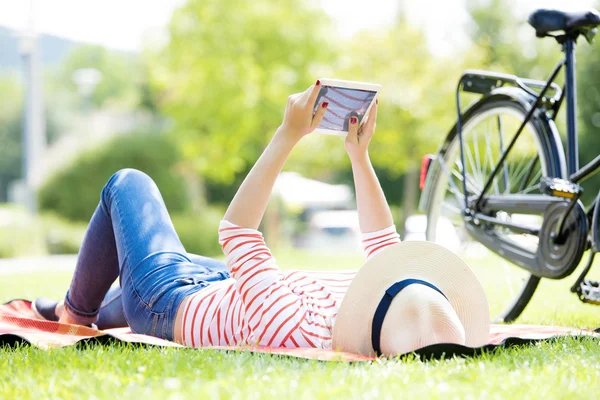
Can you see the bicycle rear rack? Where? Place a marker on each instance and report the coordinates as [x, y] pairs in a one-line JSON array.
[[482, 82]]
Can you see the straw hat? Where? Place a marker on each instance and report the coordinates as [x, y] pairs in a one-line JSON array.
[[408, 296]]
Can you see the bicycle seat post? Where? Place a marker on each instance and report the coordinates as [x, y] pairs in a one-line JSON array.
[[571, 98]]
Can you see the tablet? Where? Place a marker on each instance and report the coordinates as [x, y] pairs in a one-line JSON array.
[[346, 99]]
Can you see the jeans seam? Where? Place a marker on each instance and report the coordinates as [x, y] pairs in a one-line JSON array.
[[146, 305], [111, 300], [170, 320]]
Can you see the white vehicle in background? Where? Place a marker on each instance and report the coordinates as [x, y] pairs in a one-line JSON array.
[[415, 228], [331, 230]]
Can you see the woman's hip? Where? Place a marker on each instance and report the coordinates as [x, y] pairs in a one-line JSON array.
[[154, 290]]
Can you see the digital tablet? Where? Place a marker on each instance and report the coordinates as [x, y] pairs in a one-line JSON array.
[[346, 99]]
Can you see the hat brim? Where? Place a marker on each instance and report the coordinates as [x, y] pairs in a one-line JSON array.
[[419, 260]]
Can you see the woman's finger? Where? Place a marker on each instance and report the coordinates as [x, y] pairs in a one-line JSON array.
[[318, 117], [312, 93], [353, 130], [370, 124]]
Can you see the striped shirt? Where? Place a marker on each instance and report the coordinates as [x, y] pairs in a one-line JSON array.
[[260, 305]]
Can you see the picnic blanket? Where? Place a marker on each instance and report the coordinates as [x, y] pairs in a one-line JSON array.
[[18, 325]]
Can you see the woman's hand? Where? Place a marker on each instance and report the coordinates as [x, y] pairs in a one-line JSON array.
[[357, 141], [298, 119]]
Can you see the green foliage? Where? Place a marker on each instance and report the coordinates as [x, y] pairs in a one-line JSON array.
[[75, 191], [226, 74], [118, 74], [416, 106], [11, 132], [588, 96], [199, 232], [505, 42], [11, 115]]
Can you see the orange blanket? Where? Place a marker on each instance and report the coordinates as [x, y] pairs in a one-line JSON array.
[[18, 325]]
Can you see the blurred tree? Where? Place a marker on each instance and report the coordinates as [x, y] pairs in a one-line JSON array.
[[11, 106], [588, 96], [117, 80], [83, 179], [226, 73], [11, 132], [506, 42], [416, 106]]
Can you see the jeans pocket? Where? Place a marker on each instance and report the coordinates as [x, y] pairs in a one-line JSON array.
[[190, 281]]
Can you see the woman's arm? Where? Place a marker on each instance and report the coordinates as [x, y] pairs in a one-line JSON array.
[[373, 211], [249, 203], [276, 316]]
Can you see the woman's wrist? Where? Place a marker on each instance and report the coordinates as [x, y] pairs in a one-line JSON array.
[[285, 135], [360, 158]]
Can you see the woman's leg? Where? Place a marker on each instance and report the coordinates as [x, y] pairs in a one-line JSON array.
[[155, 271], [96, 269], [130, 225], [111, 311]]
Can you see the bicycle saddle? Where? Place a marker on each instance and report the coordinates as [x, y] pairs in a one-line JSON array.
[[546, 21]]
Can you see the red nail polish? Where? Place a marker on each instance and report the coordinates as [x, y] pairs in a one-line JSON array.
[[376, 101], [353, 120], [318, 82], [325, 104]]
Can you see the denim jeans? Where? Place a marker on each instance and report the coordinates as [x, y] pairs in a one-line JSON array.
[[111, 313], [131, 236]]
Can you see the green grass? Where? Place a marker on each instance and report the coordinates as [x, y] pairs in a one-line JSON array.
[[566, 368]]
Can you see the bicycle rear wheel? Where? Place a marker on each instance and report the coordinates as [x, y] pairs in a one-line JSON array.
[[487, 131]]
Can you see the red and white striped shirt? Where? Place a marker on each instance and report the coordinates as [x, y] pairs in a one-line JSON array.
[[262, 305]]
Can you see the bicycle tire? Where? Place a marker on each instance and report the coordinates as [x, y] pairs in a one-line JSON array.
[[553, 153]]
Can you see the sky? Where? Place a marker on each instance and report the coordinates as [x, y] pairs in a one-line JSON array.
[[126, 24]]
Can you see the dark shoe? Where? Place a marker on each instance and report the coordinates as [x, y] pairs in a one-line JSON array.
[[45, 308]]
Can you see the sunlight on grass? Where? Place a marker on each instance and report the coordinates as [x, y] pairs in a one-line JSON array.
[[565, 368]]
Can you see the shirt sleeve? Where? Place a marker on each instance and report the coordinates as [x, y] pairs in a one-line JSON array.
[[275, 313], [374, 242]]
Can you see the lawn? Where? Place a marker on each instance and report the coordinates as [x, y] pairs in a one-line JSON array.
[[565, 368]]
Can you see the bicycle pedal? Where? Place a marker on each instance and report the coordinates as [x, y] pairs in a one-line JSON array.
[[589, 292], [560, 188]]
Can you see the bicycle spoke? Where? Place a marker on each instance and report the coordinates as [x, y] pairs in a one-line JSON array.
[[470, 157], [529, 171], [470, 181], [531, 188], [491, 161], [477, 158], [505, 166], [451, 208], [522, 170], [453, 188]]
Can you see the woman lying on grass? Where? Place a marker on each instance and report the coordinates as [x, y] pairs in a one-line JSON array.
[[407, 295]]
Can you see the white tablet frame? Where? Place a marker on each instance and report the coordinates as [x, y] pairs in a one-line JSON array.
[[372, 87]]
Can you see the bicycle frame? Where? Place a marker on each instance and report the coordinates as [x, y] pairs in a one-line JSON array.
[[488, 81]]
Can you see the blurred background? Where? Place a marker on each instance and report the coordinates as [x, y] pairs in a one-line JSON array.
[[191, 91]]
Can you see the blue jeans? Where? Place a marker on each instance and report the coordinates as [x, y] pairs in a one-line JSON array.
[[131, 236]]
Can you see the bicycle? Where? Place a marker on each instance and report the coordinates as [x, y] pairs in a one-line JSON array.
[[518, 194]]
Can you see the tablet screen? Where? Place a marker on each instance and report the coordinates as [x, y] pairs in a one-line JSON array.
[[343, 103]]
